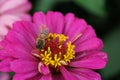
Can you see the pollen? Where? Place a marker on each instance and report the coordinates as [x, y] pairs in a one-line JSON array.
[[57, 50]]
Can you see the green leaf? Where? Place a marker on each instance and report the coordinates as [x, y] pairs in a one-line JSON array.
[[43, 5], [112, 47], [96, 7]]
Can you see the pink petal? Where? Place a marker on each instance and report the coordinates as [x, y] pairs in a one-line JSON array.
[[43, 69], [4, 54], [25, 76], [46, 77], [24, 66], [55, 22], [5, 65], [19, 9], [76, 28], [17, 51], [2, 2], [16, 38], [85, 74], [27, 28], [39, 18], [24, 16], [1, 37], [36, 77], [66, 74], [86, 35], [3, 30], [10, 4], [91, 44], [22, 28], [78, 76], [69, 19], [93, 60], [31, 29], [8, 20]]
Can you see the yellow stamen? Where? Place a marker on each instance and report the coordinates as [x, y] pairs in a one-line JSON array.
[[58, 59]]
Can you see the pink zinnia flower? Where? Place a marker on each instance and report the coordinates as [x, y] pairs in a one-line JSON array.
[[11, 11], [54, 47]]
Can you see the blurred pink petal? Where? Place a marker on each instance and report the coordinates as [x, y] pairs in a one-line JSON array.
[[4, 76], [11, 11]]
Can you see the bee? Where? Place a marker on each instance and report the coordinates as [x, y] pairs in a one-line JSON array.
[[40, 42]]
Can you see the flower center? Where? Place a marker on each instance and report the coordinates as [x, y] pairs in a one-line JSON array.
[[55, 50]]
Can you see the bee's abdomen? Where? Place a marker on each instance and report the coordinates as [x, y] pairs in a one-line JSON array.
[[40, 44]]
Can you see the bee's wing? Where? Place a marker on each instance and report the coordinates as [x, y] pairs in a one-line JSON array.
[[44, 29]]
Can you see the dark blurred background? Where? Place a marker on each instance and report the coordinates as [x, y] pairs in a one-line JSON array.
[[103, 15]]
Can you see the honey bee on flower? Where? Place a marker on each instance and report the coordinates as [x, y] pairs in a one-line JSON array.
[[40, 42]]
